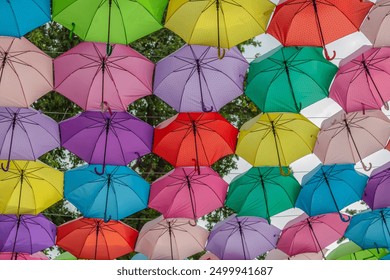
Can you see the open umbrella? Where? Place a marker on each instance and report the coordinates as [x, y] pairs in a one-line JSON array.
[[351, 251], [208, 256], [193, 79], [377, 191], [376, 24], [65, 256], [26, 73], [276, 254], [116, 194], [289, 79], [23, 256]]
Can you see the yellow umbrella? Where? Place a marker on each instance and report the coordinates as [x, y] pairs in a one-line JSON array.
[[219, 23], [276, 139], [29, 187]]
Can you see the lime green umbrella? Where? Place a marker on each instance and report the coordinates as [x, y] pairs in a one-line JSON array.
[[351, 251], [263, 192], [65, 256], [289, 79]]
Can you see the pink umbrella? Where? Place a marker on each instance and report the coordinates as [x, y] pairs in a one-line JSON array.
[[209, 257], [276, 254], [26, 73], [93, 80], [377, 23], [185, 193], [23, 256], [348, 138]]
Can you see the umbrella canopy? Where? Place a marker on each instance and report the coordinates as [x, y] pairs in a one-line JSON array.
[[387, 257], [376, 23], [194, 138], [276, 254], [139, 257], [209, 257], [350, 137], [26, 233], [377, 192], [262, 192], [116, 194], [29, 187], [362, 80], [171, 239], [289, 79], [193, 79], [23, 256], [94, 239], [242, 238], [66, 256], [276, 139], [351, 251], [26, 134], [108, 137], [330, 188], [26, 73], [93, 80], [185, 193], [19, 17], [316, 22]]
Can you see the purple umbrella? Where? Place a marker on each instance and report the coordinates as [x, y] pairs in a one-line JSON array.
[[193, 79], [26, 134], [26, 233], [377, 192], [242, 238], [105, 138]]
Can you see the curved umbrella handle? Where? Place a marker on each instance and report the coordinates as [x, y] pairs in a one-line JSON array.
[[108, 49], [6, 168], [282, 172], [103, 170], [329, 58], [365, 167], [192, 223], [204, 108], [107, 220], [221, 55], [72, 31], [343, 219]]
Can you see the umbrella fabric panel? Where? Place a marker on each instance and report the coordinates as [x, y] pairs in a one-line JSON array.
[[376, 193], [23, 256], [376, 24]]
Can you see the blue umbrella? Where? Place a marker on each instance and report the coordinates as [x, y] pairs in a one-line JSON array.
[[370, 229], [117, 193], [330, 188], [139, 257], [19, 17], [386, 258]]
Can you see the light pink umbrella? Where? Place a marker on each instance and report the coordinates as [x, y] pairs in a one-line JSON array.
[[377, 24], [93, 80], [185, 193], [23, 256], [171, 239], [348, 138], [209, 257], [276, 254], [26, 73]]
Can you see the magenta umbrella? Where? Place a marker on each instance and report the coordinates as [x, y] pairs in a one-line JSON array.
[[23, 256], [93, 80]]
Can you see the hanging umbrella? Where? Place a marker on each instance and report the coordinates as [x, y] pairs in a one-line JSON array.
[[185, 193], [26, 233], [29, 187], [377, 192], [316, 22], [66, 256], [351, 251], [26, 73], [242, 238], [376, 24], [94, 239], [348, 138], [139, 257], [289, 79], [387, 257], [330, 188], [276, 254], [209, 257], [193, 79], [26, 134], [23, 256], [19, 17], [262, 192], [94, 81], [199, 139], [362, 81], [276, 139], [108, 137], [306, 234], [171, 239]]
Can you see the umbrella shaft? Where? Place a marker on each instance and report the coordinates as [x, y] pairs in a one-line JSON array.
[[242, 238], [217, 4], [318, 23], [372, 80], [12, 136], [3, 65], [109, 21], [16, 235], [316, 239], [265, 198], [353, 140], [291, 86], [330, 190], [107, 193]]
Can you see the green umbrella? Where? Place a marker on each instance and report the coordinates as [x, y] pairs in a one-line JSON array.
[[289, 79], [262, 192], [65, 256], [351, 251]]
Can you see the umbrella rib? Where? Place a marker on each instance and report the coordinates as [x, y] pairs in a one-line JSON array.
[[122, 19], [20, 81], [15, 19], [93, 17], [19, 62], [207, 86]]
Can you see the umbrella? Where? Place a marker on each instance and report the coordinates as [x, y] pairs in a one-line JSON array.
[[139, 257], [363, 80], [276, 254], [93, 80], [276, 139], [26, 73], [376, 194], [289, 79], [185, 193], [19, 17], [26, 134], [316, 22], [194, 138], [66, 256], [171, 239], [350, 137], [351, 251], [108, 137], [94, 239], [330, 188], [23, 256], [116, 194], [26, 233], [370, 229], [193, 79], [262, 192], [209, 257], [29, 187], [306, 234], [242, 238], [387, 257], [219, 23], [376, 24]]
